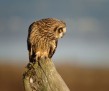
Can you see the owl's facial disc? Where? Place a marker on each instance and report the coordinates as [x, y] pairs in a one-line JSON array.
[[61, 32]]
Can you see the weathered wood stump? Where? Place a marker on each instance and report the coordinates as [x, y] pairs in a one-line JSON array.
[[43, 76]]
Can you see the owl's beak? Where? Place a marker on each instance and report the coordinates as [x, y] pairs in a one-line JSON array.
[[63, 35]]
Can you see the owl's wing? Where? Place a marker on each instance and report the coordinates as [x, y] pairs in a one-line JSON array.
[[29, 46], [28, 38], [52, 50]]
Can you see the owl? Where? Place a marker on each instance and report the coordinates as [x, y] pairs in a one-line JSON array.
[[43, 37]]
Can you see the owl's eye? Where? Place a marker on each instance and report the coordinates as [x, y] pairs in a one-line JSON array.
[[60, 30]]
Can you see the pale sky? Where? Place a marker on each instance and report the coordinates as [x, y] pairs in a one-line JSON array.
[[87, 36]]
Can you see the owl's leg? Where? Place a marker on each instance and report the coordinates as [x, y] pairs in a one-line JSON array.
[[45, 55], [38, 55], [42, 55]]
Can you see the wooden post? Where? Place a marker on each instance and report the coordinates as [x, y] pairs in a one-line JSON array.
[[42, 76]]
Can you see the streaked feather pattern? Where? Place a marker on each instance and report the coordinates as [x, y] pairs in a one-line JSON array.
[[43, 37]]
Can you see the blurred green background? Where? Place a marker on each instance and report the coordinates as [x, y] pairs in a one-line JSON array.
[[83, 53]]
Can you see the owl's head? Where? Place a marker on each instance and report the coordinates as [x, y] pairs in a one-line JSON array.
[[52, 25], [59, 31], [59, 28]]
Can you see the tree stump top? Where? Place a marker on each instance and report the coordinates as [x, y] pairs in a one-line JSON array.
[[43, 76]]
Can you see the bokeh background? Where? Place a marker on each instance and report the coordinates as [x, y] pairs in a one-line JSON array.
[[82, 56]]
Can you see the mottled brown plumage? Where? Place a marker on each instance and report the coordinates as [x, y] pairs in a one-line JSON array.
[[43, 37]]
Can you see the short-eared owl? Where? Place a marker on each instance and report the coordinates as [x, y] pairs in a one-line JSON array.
[[43, 37]]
